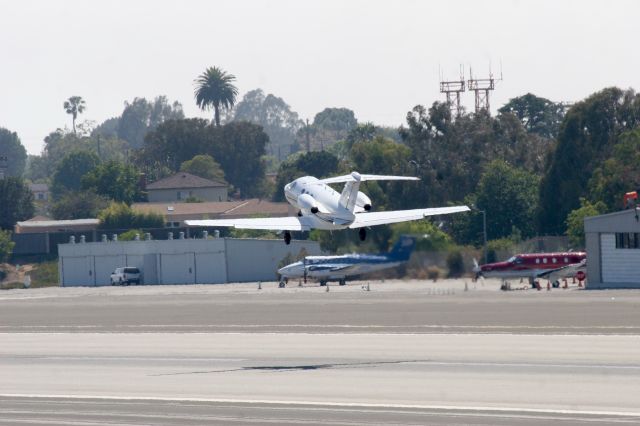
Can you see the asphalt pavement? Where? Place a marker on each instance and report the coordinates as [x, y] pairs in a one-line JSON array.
[[400, 353]]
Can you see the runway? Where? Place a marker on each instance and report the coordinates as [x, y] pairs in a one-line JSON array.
[[230, 355]]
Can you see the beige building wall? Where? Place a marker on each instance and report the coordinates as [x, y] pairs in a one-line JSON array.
[[204, 194]]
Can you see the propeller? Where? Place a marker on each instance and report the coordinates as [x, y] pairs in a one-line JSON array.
[[304, 270], [477, 269]]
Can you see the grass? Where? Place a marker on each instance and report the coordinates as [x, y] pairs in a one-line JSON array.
[[45, 274]]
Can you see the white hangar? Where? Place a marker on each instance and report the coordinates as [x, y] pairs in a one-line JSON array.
[[613, 249], [181, 261]]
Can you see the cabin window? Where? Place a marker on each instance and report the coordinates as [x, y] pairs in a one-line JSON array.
[[627, 240], [544, 260], [554, 260], [566, 260], [537, 260]]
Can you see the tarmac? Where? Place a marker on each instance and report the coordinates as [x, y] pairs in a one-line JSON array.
[[401, 352]]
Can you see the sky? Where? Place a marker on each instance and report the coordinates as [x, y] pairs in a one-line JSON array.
[[378, 58]]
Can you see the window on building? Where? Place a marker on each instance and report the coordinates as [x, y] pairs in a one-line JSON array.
[[628, 240], [179, 196]]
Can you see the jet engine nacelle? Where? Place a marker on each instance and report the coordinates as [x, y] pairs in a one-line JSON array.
[[307, 203], [363, 201]]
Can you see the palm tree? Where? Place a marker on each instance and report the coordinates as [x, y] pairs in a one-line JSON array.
[[74, 105], [214, 88]]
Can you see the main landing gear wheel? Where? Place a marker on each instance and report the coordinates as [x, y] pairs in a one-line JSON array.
[[362, 233], [287, 237], [322, 283], [282, 284], [343, 281]]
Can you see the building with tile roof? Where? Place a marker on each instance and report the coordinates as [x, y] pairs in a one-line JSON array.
[[182, 186]]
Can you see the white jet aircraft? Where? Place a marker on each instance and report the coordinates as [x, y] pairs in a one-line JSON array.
[[321, 207]]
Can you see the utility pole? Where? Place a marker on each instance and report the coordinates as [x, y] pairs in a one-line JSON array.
[[308, 143]]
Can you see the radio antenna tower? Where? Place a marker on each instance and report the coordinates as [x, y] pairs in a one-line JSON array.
[[453, 89], [481, 88]]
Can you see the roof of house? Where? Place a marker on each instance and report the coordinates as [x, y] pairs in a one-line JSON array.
[[39, 218], [184, 180], [57, 223], [217, 209], [39, 187]]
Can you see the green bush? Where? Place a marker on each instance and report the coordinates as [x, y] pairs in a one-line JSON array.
[[495, 246], [121, 216], [455, 263], [45, 274], [6, 245], [130, 235]]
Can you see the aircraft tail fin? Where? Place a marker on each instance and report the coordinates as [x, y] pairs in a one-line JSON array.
[[350, 192], [402, 249]]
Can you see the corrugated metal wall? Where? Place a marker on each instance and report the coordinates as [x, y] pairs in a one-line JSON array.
[[187, 261], [619, 266]]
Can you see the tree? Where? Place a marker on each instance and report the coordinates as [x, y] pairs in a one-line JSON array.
[[450, 155], [509, 196], [78, 205], [6, 246], [238, 147], [121, 216], [618, 174], [141, 116], [329, 126], [11, 148], [115, 180], [215, 89], [587, 136], [385, 157], [204, 166], [537, 115], [274, 115], [317, 163], [575, 221], [69, 173], [16, 202], [37, 169], [74, 105], [174, 142]]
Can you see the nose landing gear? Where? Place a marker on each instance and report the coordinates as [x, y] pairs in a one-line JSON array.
[[362, 233], [287, 237]]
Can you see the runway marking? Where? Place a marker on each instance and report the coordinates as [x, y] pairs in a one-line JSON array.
[[323, 326], [467, 408]]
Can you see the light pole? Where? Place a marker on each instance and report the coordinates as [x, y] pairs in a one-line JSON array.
[[484, 231]]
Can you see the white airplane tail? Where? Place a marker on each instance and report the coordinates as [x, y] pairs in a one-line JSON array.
[[349, 194]]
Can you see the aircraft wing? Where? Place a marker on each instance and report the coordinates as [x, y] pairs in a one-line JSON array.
[[351, 178], [381, 218], [290, 223]]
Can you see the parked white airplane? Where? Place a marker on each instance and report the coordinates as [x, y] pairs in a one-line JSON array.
[[321, 207]]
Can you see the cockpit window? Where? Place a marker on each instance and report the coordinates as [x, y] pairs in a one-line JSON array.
[[515, 259], [293, 185], [512, 259]]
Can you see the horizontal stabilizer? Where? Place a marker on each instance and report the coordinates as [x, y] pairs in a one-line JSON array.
[[356, 177]]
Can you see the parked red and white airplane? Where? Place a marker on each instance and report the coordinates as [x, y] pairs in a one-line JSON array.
[[533, 266], [321, 207]]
